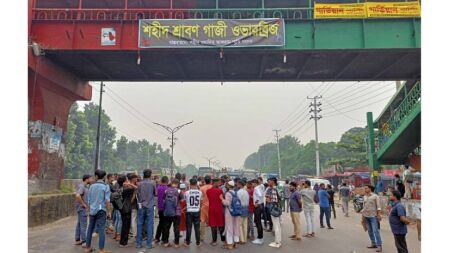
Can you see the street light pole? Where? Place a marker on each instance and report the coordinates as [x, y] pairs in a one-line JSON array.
[[172, 131]]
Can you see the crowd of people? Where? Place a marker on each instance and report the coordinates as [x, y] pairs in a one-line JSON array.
[[237, 211]]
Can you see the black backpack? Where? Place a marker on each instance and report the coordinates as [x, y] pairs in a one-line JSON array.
[[117, 199]]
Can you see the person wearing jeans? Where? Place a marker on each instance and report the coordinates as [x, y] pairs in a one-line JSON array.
[[307, 196], [325, 208], [98, 199], [146, 193], [372, 214], [81, 209]]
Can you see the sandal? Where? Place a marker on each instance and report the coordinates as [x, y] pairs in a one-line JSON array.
[[89, 250]]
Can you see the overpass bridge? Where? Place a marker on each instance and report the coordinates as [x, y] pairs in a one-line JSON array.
[[77, 41]]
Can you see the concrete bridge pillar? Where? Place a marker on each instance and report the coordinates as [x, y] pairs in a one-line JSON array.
[[51, 92]]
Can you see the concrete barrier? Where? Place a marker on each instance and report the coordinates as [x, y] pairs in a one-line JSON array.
[[44, 209]]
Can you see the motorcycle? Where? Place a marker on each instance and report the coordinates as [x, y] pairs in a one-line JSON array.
[[358, 202]]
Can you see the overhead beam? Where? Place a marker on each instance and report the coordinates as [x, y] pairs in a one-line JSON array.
[[102, 71], [391, 65], [346, 66], [304, 66], [262, 66]]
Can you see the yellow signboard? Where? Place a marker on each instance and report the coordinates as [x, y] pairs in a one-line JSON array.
[[393, 9], [325, 11]]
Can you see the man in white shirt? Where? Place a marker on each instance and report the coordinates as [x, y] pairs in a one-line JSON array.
[[259, 198], [193, 206], [243, 195]]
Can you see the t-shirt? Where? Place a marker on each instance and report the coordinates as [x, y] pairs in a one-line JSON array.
[[295, 199], [82, 190], [397, 226], [193, 200], [324, 198], [345, 191], [146, 191], [307, 196], [161, 196]]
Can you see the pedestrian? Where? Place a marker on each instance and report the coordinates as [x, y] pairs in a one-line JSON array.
[[295, 206], [308, 200], [250, 190], [146, 194], [230, 201], [287, 194], [110, 222], [171, 200], [272, 200], [344, 195], [323, 197], [216, 212], [127, 191], [399, 185], [182, 222], [268, 223], [371, 215], [258, 199], [398, 222], [98, 202], [177, 219], [331, 193], [82, 209], [205, 206], [193, 199], [134, 179], [243, 196], [160, 208]]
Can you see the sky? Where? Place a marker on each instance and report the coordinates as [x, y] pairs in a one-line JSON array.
[[231, 120]]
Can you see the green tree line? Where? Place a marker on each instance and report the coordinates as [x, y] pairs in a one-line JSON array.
[[298, 158], [116, 153]]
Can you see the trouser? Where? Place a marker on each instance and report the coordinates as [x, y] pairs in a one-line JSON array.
[[160, 225], [232, 230], [118, 221], [215, 231], [401, 244], [296, 224], [373, 231], [203, 226], [345, 206], [418, 227], [277, 228], [134, 221], [325, 211], [282, 204], [145, 216], [176, 222], [99, 219], [166, 229], [408, 190], [243, 224], [250, 225], [126, 225], [81, 226], [193, 219], [268, 219], [332, 208], [310, 221], [258, 212]]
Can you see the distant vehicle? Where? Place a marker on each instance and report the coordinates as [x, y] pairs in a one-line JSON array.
[[318, 181], [126, 172], [250, 174], [206, 171]]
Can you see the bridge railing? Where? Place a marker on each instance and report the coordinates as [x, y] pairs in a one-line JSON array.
[[388, 128], [51, 14]]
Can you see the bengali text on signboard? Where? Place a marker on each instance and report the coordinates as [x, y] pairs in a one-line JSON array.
[[324, 11], [197, 33], [393, 9]]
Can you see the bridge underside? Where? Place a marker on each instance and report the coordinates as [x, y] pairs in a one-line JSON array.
[[241, 65]]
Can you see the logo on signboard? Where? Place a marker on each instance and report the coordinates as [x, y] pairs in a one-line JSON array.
[[108, 36]]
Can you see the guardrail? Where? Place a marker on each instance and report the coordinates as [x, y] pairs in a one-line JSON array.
[[388, 128]]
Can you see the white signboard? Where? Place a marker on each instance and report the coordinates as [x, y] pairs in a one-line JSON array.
[[108, 37]]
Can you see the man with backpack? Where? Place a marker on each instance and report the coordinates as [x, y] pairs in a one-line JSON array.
[[171, 200], [193, 204], [233, 209], [243, 196], [272, 200], [146, 193], [98, 202], [295, 209]]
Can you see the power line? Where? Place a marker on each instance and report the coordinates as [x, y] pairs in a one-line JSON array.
[[354, 92], [377, 101]]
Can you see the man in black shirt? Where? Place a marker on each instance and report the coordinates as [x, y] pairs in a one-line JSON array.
[[331, 193]]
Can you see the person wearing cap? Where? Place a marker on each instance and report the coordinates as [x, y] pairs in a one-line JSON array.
[[231, 222], [272, 199]]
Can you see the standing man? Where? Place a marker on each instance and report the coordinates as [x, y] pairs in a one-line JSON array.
[[193, 203], [82, 209], [399, 185], [146, 192], [258, 198], [171, 203], [398, 222], [243, 195], [307, 197], [331, 193], [250, 190], [295, 207], [344, 195], [98, 201], [272, 200], [216, 212], [133, 181], [287, 194], [371, 215], [231, 221], [205, 206], [160, 207], [325, 209]]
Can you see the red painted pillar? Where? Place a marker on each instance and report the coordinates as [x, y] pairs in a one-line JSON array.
[[51, 92]]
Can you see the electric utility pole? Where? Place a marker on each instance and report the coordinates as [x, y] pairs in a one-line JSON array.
[[97, 149], [172, 131], [315, 110], [209, 159], [279, 152]]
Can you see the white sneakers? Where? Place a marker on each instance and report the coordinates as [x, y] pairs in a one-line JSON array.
[[275, 245], [258, 241]]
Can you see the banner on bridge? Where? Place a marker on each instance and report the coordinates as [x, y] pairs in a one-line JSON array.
[[203, 33], [393, 9], [325, 11]]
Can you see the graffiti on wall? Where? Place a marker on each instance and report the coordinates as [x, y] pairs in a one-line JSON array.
[[50, 136]]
